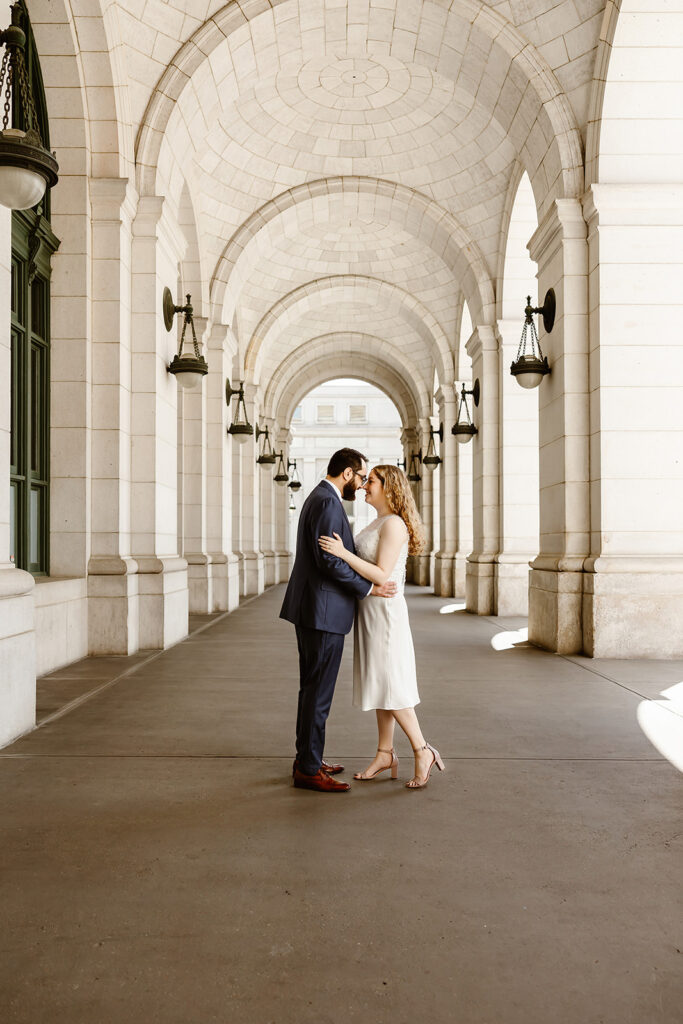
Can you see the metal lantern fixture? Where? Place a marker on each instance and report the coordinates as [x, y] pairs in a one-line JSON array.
[[267, 455], [294, 483], [431, 460], [465, 429], [27, 168], [187, 368], [413, 471], [240, 428], [281, 478], [401, 464], [531, 367]]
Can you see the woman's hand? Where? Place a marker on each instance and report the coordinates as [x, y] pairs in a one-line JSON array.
[[333, 546]]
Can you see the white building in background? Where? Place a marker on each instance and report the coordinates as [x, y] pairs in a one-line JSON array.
[[342, 414]]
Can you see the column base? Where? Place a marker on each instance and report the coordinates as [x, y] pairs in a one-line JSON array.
[[113, 605], [443, 574], [555, 610], [163, 601], [633, 614], [512, 585], [252, 573], [17, 655], [480, 587], [459, 575], [422, 569], [270, 568], [207, 577], [285, 560]]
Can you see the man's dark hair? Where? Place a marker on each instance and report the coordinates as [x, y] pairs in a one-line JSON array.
[[343, 459]]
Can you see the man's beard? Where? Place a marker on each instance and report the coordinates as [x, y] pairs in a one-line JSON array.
[[349, 490]]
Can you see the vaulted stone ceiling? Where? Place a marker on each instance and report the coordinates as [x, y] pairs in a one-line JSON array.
[[244, 104]]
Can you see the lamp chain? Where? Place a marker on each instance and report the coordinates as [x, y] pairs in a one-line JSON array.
[[26, 94], [521, 351], [6, 77]]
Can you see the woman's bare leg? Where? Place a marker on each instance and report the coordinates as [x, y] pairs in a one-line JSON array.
[[407, 719], [385, 741]]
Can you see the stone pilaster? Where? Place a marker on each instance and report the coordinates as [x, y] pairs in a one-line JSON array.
[[267, 488], [480, 596], [113, 594], [633, 577], [444, 560], [556, 581], [422, 562], [246, 517], [158, 248], [518, 479], [221, 348]]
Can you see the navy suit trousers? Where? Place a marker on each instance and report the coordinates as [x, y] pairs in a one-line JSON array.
[[319, 658]]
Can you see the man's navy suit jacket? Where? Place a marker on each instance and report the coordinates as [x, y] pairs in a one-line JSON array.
[[322, 589]]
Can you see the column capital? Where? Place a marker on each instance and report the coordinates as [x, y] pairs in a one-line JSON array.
[[484, 338], [110, 198], [563, 221]]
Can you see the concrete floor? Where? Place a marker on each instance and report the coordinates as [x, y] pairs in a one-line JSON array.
[[157, 866]]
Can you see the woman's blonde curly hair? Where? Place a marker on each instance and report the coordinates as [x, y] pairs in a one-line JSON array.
[[402, 503]]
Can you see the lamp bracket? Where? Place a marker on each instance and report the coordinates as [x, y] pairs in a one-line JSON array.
[[438, 432], [547, 310], [259, 430], [170, 309], [230, 391], [475, 391]]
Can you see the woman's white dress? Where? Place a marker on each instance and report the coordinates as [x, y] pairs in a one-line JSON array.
[[383, 656]]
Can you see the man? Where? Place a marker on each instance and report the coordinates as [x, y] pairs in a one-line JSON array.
[[320, 601]]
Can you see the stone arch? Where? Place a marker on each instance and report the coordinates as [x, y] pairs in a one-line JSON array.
[[84, 92], [555, 166], [437, 227], [634, 71], [353, 355], [323, 292]]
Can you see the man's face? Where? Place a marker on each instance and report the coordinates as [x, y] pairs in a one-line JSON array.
[[353, 480]]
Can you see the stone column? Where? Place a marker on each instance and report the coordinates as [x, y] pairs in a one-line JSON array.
[[246, 504], [220, 351], [480, 596], [410, 439], [267, 488], [422, 562], [559, 248], [113, 602], [633, 577], [193, 455], [281, 511], [518, 479], [162, 574], [444, 561], [464, 539]]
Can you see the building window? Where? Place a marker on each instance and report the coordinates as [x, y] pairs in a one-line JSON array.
[[325, 414], [33, 244], [298, 415], [358, 414]]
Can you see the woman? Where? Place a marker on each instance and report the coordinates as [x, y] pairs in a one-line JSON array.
[[384, 675]]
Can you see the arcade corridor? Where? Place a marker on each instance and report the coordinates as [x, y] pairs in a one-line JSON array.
[[157, 865]]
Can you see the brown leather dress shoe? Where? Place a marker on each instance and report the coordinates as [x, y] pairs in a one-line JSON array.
[[321, 781], [331, 769]]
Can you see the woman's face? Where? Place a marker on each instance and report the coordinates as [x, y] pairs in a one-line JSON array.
[[374, 490]]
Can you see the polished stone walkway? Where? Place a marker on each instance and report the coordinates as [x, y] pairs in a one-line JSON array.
[[157, 866]]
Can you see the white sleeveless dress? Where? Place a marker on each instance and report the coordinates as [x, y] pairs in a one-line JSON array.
[[383, 656]]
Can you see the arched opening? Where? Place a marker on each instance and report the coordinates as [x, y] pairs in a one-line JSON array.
[[343, 412]]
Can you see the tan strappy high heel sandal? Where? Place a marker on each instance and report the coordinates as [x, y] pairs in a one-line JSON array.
[[393, 766], [420, 784]]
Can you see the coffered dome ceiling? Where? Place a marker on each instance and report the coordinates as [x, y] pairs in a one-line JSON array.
[[243, 104]]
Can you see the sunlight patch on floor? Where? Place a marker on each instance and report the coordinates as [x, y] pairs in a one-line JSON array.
[[504, 641], [662, 723]]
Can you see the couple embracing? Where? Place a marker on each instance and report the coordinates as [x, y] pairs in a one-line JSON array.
[[335, 580]]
